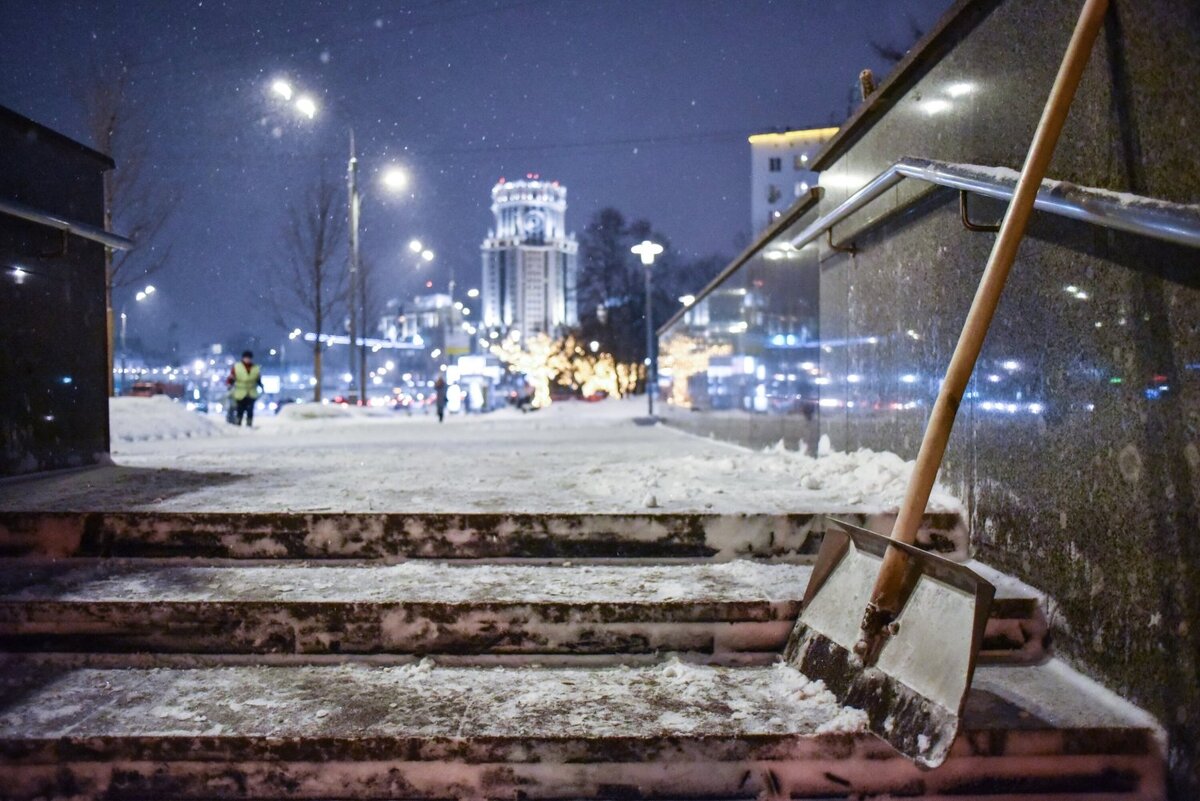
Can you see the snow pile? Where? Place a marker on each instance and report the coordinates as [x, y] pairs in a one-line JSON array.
[[780, 480], [309, 416], [158, 418], [314, 411]]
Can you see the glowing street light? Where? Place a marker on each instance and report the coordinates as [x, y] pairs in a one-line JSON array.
[[282, 88], [415, 246], [687, 300], [472, 293], [306, 106], [647, 250], [139, 297], [394, 179], [427, 255]]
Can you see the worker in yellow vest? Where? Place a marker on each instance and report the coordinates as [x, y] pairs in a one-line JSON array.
[[245, 383]]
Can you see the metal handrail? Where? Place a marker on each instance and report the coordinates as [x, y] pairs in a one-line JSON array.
[[1171, 222], [95, 234]]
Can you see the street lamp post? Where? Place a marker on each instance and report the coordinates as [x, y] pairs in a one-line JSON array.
[[394, 179], [354, 202], [647, 250], [139, 297]]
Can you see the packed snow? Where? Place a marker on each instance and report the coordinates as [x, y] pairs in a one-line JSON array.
[[571, 457], [427, 700], [416, 581]]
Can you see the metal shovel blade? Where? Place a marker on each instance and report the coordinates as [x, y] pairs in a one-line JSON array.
[[913, 686]]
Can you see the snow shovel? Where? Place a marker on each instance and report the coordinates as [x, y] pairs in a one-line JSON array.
[[907, 661]]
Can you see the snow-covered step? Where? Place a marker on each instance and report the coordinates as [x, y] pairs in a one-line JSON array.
[[442, 536], [421, 731], [426, 606]]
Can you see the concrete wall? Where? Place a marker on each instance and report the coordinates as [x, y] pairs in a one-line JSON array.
[[1077, 452], [54, 390]]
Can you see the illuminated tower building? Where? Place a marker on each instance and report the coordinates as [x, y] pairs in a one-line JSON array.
[[529, 260]]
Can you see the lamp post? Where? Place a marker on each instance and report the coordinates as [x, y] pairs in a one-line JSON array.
[[393, 179], [139, 297], [354, 201], [647, 250]]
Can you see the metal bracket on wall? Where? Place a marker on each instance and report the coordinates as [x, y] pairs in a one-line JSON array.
[[964, 214], [839, 248]]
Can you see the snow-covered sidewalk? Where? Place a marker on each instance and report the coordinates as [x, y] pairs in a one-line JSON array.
[[570, 457]]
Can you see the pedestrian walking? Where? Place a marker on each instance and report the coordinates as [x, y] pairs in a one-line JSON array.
[[439, 387], [245, 384]]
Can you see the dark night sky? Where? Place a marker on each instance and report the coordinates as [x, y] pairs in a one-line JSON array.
[[644, 105]]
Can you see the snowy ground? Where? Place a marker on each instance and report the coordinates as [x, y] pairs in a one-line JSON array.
[[570, 457]]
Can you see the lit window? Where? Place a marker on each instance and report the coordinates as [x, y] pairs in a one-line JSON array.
[[775, 164]]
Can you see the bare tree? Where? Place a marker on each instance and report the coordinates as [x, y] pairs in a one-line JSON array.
[[313, 283], [136, 203]]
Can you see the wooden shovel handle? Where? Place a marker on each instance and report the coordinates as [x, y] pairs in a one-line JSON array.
[[884, 596]]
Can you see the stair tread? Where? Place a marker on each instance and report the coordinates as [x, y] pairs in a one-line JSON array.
[[429, 702], [415, 582], [159, 581]]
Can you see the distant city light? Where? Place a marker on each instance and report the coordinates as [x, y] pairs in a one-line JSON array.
[[306, 106], [594, 346]]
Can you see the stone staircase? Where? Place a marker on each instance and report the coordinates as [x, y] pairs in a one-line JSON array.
[[203, 656]]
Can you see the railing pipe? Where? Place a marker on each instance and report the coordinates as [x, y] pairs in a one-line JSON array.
[[1157, 219]]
